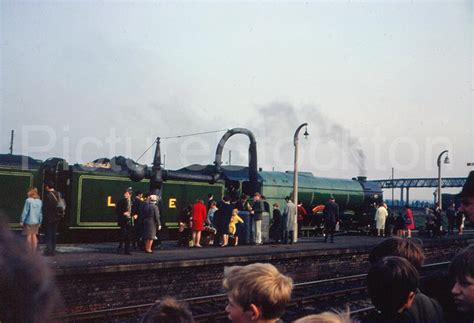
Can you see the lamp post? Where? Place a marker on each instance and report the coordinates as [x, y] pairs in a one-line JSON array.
[[446, 161], [295, 177]]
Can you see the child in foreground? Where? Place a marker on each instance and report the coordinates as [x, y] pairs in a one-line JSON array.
[[256, 293]]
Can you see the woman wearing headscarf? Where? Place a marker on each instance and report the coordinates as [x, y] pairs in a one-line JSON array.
[[151, 221]]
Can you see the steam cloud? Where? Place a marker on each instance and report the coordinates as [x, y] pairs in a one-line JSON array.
[[280, 120]]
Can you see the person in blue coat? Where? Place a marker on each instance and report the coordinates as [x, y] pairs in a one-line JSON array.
[[31, 217]]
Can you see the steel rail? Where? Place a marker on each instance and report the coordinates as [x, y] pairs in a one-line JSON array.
[[124, 310]]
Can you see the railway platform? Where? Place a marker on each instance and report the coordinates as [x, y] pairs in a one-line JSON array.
[[79, 257]]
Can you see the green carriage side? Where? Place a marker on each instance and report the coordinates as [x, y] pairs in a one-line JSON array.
[[178, 194], [17, 174], [93, 195]]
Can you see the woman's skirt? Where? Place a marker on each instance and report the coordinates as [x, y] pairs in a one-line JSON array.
[[30, 229]]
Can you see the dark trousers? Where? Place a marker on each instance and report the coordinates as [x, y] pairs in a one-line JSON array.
[[284, 233], [451, 225], [125, 237], [134, 236], [139, 237], [430, 230], [245, 234], [330, 229], [50, 235], [249, 225], [437, 230]]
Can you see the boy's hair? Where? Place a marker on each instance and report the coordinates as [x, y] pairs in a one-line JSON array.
[[390, 282], [410, 249], [328, 317], [168, 310], [261, 285], [462, 265]]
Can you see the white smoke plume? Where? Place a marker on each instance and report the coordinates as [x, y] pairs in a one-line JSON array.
[[328, 141]]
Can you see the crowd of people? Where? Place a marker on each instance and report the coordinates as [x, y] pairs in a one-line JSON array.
[[231, 222], [260, 293], [228, 222], [387, 222], [139, 221], [256, 292]]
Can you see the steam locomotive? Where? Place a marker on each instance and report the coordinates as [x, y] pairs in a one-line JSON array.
[[92, 190]]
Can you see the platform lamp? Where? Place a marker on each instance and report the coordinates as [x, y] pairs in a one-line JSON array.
[[295, 176], [446, 161]]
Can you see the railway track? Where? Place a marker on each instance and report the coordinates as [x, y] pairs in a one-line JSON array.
[[308, 297]]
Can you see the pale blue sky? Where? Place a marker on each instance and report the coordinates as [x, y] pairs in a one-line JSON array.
[[391, 79]]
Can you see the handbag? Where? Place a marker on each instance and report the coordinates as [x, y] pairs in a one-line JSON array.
[[60, 205]]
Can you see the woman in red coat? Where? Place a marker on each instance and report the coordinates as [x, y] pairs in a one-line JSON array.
[[409, 221], [199, 216]]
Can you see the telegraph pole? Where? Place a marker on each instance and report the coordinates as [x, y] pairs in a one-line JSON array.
[[11, 142]]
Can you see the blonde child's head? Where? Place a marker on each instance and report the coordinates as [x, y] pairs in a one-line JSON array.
[[258, 287], [328, 317]]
